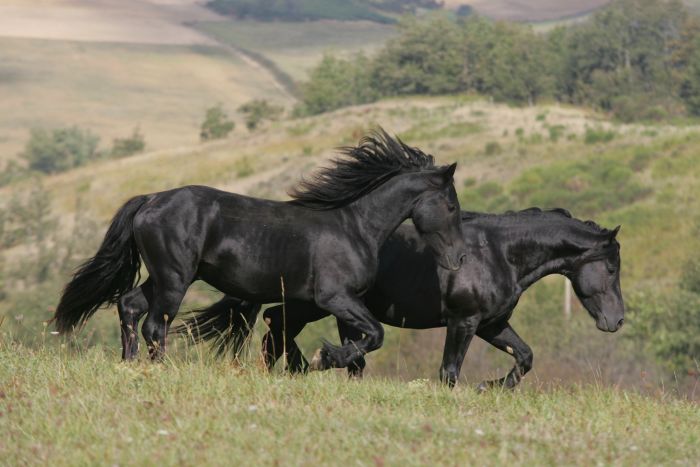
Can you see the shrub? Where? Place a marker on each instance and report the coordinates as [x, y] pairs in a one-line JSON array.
[[60, 149], [257, 110], [598, 135], [216, 124], [492, 148], [123, 147]]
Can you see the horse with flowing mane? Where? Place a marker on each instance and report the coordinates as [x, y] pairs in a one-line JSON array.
[[321, 247]]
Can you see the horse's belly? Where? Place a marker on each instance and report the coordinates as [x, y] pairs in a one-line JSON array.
[[253, 283]]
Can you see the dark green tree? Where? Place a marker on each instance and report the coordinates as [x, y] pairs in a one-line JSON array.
[[428, 57], [336, 83]]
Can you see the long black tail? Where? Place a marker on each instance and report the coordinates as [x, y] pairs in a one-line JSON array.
[[113, 271], [227, 324]]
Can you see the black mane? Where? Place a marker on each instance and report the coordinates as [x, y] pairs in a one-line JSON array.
[[377, 159], [467, 215]]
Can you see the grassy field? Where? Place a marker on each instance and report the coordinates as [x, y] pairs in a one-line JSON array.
[[81, 407], [501, 152], [112, 88]]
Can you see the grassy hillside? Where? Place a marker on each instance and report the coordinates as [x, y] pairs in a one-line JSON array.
[[643, 177], [111, 88], [297, 47], [66, 408]]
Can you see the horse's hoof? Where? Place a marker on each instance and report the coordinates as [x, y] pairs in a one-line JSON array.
[[316, 363], [482, 387]]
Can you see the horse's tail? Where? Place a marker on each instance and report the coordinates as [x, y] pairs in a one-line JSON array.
[[227, 323], [113, 271]]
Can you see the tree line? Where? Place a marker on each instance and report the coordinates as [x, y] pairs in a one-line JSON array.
[[637, 59]]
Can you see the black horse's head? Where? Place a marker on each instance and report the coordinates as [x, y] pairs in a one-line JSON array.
[[437, 218], [596, 281]]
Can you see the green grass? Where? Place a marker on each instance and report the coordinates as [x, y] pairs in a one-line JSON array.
[[84, 408]]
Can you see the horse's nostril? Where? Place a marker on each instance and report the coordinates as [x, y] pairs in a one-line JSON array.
[[461, 259], [620, 323]]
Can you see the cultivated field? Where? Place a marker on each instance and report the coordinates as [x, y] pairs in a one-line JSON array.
[[81, 407]]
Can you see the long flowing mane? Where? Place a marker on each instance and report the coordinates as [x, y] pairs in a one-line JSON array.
[[537, 212], [363, 168]]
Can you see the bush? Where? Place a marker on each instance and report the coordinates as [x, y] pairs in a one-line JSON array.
[[257, 110], [123, 147], [586, 187], [216, 124], [598, 135], [60, 149], [492, 148]]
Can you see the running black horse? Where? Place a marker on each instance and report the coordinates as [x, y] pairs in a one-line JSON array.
[[321, 247], [507, 253]]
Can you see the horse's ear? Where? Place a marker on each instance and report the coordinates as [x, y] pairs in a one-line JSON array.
[[613, 232], [448, 173], [443, 176]]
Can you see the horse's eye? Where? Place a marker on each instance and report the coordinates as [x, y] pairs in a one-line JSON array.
[[451, 207]]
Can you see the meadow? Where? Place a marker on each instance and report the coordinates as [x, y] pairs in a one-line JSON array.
[[67, 406]]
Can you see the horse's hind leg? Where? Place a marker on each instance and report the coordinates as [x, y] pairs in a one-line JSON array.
[[348, 335], [162, 309], [132, 306], [504, 337]]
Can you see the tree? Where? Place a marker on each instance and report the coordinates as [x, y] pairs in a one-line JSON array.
[[216, 124], [427, 57], [336, 83], [60, 149], [257, 110]]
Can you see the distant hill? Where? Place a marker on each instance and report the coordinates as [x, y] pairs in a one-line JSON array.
[[530, 11], [381, 11]]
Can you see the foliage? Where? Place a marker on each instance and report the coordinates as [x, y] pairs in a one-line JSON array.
[[60, 149], [216, 124], [426, 58], [257, 110], [668, 323], [638, 59], [335, 83], [123, 147], [587, 187]]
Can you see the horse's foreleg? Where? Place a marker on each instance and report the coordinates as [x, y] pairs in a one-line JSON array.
[[132, 306], [503, 337], [347, 336], [351, 310], [460, 331]]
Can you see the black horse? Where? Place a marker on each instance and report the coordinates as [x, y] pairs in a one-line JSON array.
[[507, 253], [321, 247]]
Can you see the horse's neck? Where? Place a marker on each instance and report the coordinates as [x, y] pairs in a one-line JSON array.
[[554, 254], [381, 211]]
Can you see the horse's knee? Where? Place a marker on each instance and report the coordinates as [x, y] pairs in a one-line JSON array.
[[375, 338]]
